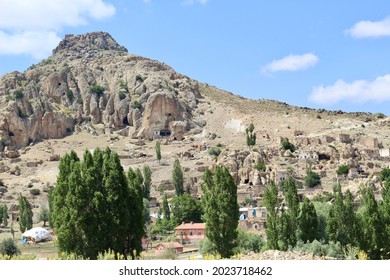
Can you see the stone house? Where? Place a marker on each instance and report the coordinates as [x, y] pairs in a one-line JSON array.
[[327, 139], [308, 155], [189, 233], [344, 138], [280, 176], [13, 212], [370, 143]]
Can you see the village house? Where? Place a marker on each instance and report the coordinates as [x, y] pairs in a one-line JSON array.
[[308, 155], [176, 247], [370, 143], [385, 153], [190, 233], [345, 138]]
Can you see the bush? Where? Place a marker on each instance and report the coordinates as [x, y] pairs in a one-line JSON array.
[[9, 248], [18, 94], [70, 95], [136, 105], [35, 191], [343, 170], [249, 242], [139, 78], [260, 166], [312, 179], [385, 174], [122, 95], [97, 89], [215, 151], [322, 249], [287, 145]]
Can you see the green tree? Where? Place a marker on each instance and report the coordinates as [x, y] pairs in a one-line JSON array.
[[312, 179], [250, 136], [158, 151], [25, 214], [290, 215], [271, 204], [307, 222], [286, 145], [341, 220], [95, 207], [147, 182], [343, 170], [136, 222], [185, 208], [371, 226], [221, 209], [177, 178], [4, 215], [44, 215], [9, 248], [385, 174], [166, 210], [384, 208]]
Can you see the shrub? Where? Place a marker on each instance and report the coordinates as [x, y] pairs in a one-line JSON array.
[[97, 89], [343, 170], [136, 105], [379, 115], [35, 191], [70, 95], [260, 166], [215, 151], [122, 95], [312, 179], [9, 248], [18, 94], [139, 78], [385, 174], [249, 242], [287, 145]]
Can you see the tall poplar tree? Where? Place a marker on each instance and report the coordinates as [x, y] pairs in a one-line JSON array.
[[25, 214], [271, 204], [177, 178], [290, 215], [147, 181], [307, 222], [371, 226], [94, 207], [221, 209]]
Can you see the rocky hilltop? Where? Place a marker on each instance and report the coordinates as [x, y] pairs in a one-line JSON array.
[[91, 83]]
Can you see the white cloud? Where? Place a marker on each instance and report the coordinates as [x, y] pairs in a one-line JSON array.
[[366, 28], [32, 26], [192, 2], [359, 91], [292, 63]]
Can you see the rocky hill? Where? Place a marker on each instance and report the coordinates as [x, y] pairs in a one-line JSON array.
[[92, 93], [90, 79]]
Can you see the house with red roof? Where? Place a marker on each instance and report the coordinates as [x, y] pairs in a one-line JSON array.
[[190, 233]]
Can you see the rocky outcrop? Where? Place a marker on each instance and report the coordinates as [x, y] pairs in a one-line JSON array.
[[91, 79]]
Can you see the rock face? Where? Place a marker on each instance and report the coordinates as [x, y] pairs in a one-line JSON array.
[[91, 79]]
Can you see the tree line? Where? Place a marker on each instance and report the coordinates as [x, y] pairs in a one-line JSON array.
[[366, 228]]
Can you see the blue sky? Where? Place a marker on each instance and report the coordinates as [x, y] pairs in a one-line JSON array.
[[320, 54]]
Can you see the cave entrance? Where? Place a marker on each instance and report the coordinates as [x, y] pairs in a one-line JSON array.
[[125, 121], [165, 133], [323, 157]]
